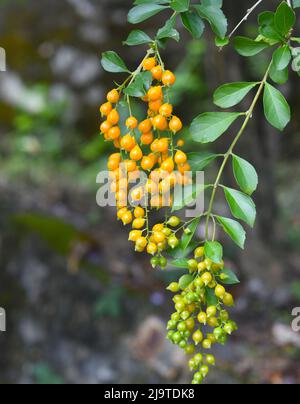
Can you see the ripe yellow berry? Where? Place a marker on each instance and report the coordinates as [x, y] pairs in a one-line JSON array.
[[136, 153], [168, 78], [114, 133], [158, 227], [155, 105], [139, 212], [141, 243], [147, 138], [152, 248], [202, 318], [201, 266], [160, 123], [149, 64], [135, 235], [121, 213], [113, 117], [113, 97], [166, 110], [175, 124], [130, 165], [127, 142], [106, 108], [159, 237], [168, 165], [145, 126], [138, 223], [105, 127], [206, 278], [228, 300], [180, 143], [180, 157], [157, 73], [147, 163], [199, 252], [131, 122], [127, 218], [155, 93], [220, 291]]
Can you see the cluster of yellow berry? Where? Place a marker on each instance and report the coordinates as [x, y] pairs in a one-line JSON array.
[[193, 312], [148, 146]]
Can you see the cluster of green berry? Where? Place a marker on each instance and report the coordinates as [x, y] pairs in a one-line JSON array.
[[200, 318]]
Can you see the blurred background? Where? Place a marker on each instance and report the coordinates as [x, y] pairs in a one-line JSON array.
[[81, 306]]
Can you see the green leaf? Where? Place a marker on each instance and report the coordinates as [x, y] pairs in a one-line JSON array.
[[234, 229], [245, 175], [231, 94], [215, 16], [285, 18], [248, 47], [180, 5], [221, 42], [277, 110], [185, 196], [228, 277], [214, 251], [180, 263], [185, 281], [143, 12], [137, 37], [180, 252], [266, 18], [215, 3], [187, 238], [193, 23], [241, 205], [200, 160], [136, 89], [210, 126], [279, 76], [111, 62], [168, 31], [211, 298], [282, 57]]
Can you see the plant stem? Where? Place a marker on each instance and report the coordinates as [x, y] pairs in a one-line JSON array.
[[245, 18], [231, 148]]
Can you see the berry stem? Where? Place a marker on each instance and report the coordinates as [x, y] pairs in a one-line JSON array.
[[249, 114]]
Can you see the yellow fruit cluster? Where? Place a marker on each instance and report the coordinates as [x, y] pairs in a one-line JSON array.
[[148, 146]]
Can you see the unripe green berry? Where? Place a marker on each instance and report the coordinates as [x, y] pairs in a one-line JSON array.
[[202, 318], [182, 326], [210, 360], [204, 370], [199, 252], [190, 349], [228, 300], [174, 221], [185, 314], [173, 242], [173, 287], [198, 377], [177, 337], [193, 265], [197, 337], [206, 278], [220, 291], [206, 344], [163, 262], [198, 359], [211, 311]]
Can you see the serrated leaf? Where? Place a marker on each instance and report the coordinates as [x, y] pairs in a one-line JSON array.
[[111, 62], [193, 23], [143, 12], [210, 126], [137, 37], [241, 205], [248, 47], [214, 251], [282, 57], [245, 175], [215, 16], [234, 229], [231, 94], [277, 109]]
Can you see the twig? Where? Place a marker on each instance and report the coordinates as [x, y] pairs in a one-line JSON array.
[[250, 11]]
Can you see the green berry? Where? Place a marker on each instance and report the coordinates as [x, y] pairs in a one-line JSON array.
[[199, 252], [204, 370], [173, 287], [174, 221], [210, 360], [193, 265]]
